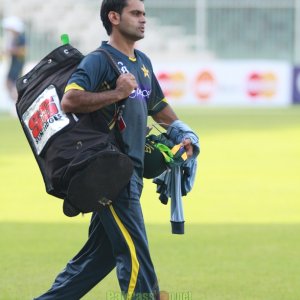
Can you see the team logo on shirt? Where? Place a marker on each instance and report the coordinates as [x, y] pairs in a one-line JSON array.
[[146, 71]]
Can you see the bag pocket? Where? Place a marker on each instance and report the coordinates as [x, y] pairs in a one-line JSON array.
[[73, 146]]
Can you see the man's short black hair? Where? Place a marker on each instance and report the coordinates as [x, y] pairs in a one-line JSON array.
[[111, 5]]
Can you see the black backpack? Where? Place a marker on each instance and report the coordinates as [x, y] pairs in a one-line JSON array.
[[78, 155]]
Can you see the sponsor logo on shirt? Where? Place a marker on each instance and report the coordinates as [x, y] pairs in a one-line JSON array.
[[139, 93]]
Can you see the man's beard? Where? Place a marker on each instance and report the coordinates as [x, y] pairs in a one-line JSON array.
[[131, 35]]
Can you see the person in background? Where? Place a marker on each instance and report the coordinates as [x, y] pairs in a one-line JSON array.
[[16, 50]]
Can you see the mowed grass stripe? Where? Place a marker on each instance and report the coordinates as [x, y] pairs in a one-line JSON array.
[[211, 262], [248, 176], [248, 171]]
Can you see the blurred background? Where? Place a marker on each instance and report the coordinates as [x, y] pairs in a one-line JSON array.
[[232, 69], [216, 52]]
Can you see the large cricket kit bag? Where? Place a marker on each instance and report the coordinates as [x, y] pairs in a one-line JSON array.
[[78, 155]]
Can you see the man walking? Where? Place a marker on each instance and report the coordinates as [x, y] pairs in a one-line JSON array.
[[117, 235]]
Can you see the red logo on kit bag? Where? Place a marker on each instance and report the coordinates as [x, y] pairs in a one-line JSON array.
[[44, 118], [41, 118]]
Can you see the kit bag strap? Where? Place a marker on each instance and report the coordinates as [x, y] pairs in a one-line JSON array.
[[116, 68], [118, 119]]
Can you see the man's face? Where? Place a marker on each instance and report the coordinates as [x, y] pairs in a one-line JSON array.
[[132, 20]]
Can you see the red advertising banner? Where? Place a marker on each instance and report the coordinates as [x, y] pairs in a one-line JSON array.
[[226, 83]]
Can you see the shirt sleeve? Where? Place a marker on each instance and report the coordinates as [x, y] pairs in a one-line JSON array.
[[89, 74], [157, 101]]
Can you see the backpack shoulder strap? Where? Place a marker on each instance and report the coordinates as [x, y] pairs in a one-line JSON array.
[[118, 119], [114, 65], [111, 60]]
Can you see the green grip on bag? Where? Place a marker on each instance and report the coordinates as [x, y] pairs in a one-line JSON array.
[[65, 39]]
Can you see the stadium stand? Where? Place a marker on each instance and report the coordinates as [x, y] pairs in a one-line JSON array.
[[223, 29]]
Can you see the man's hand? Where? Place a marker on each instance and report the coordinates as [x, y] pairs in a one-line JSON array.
[[125, 84], [78, 101], [188, 147]]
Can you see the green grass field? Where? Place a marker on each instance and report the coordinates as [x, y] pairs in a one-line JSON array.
[[242, 217]]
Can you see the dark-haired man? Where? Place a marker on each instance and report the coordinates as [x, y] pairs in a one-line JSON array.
[[117, 236]]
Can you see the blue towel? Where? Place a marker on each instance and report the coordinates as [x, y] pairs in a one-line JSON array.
[[179, 131], [178, 180]]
